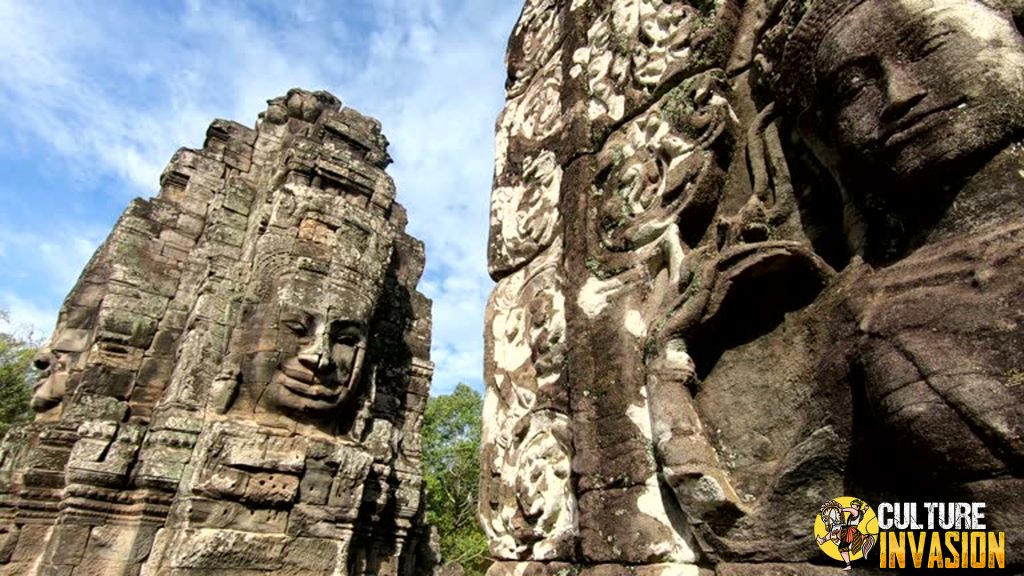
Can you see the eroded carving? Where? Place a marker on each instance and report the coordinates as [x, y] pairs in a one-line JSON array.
[[527, 503], [525, 217]]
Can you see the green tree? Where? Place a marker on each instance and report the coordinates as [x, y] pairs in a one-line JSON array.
[[451, 462], [16, 374]]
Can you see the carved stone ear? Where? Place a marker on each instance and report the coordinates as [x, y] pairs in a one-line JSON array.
[[356, 373], [225, 388], [361, 422]]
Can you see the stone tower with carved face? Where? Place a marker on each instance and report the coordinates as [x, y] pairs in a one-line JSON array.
[[236, 382], [750, 255]]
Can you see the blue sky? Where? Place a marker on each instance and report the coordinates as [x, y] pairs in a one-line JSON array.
[[96, 96]]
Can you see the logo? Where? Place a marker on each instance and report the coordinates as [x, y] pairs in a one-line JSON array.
[[929, 535], [846, 529]]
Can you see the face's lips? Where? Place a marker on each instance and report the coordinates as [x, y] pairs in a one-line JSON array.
[[910, 126], [306, 384], [300, 374]]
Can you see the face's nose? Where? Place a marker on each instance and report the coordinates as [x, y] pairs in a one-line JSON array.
[[316, 356], [903, 91], [43, 360]]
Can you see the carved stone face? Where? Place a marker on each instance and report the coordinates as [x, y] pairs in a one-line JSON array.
[[54, 363], [302, 348], [908, 87], [52, 383], [319, 373]]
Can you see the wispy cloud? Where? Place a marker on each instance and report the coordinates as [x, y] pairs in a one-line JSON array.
[[40, 268], [104, 92], [26, 319]]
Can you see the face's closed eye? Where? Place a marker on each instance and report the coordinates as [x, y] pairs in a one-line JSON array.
[[346, 333], [298, 323], [346, 338], [850, 81]]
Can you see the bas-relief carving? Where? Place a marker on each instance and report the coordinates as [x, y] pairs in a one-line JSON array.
[[537, 114], [527, 504], [533, 43], [242, 404], [663, 171], [709, 260], [635, 47], [525, 216], [925, 150], [923, 155], [656, 174]]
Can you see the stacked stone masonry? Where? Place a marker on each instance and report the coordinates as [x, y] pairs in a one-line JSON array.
[[724, 297], [236, 383]]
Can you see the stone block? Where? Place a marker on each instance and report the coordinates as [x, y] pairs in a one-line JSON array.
[[32, 540], [271, 489], [228, 550], [67, 544], [235, 516]]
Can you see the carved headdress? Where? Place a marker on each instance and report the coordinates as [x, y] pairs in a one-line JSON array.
[[345, 248], [788, 40]]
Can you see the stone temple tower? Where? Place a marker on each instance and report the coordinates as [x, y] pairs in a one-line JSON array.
[[236, 383]]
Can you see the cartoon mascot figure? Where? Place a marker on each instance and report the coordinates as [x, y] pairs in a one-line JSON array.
[[841, 525]]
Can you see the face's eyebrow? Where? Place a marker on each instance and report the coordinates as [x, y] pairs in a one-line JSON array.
[[348, 326], [295, 313], [829, 61]]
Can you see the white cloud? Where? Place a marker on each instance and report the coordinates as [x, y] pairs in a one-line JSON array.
[[111, 89], [26, 319], [62, 258], [40, 269]]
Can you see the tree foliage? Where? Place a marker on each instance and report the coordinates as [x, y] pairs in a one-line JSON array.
[[451, 462], [16, 375]]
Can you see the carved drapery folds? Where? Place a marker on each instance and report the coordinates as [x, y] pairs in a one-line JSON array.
[[238, 378]]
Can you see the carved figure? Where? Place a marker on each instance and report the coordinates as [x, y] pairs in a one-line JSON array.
[[327, 365], [922, 139], [302, 348], [902, 120], [916, 108], [789, 243]]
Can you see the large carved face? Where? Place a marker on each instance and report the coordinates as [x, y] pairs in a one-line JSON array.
[[301, 347], [908, 87], [319, 371], [54, 363]]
